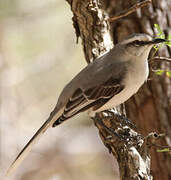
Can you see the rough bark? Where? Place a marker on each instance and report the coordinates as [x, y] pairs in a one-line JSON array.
[[150, 108], [91, 25]]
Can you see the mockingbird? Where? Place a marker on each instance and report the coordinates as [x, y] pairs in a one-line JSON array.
[[105, 83]]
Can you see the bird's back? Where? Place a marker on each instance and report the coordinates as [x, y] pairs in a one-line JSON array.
[[96, 73]]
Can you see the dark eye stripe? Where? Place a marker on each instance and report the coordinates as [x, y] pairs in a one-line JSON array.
[[139, 43]]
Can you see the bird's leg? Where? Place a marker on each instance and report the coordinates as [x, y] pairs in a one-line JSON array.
[[109, 130], [126, 121]]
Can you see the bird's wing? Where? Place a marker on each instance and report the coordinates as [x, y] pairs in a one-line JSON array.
[[94, 97]]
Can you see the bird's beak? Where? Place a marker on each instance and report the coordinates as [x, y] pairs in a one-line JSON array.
[[157, 41]]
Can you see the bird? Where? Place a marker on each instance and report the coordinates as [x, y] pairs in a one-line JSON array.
[[107, 82]]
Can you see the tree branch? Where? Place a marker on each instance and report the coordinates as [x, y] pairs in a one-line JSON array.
[[130, 10], [161, 59], [129, 147]]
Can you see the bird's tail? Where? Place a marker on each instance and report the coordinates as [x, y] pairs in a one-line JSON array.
[[28, 147]]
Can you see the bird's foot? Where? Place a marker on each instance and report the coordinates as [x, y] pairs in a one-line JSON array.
[[111, 131], [114, 132], [126, 121]]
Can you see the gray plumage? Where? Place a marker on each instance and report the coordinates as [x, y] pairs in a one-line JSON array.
[[105, 83]]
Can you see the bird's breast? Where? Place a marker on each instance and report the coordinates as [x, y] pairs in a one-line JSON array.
[[135, 78], [136, 75]]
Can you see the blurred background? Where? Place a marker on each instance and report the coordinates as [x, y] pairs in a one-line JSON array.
[[38, 56]]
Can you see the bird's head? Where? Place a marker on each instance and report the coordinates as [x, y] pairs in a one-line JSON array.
[[140, 44]]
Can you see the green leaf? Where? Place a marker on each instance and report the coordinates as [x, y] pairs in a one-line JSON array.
[[156, 47], [163, 150], [160, 32], [159, 72], [168, 43], [168, 73], [169, 37], [162, 36], [158, 29]]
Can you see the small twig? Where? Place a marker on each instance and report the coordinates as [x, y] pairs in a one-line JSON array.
[[129, 11], [156, 70], [157, 58], [160, 146], [152, 138]]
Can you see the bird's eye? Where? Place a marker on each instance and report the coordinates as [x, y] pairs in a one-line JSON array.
[[137, 43]]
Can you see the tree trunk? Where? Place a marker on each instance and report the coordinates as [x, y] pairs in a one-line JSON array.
[[150, 108]]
